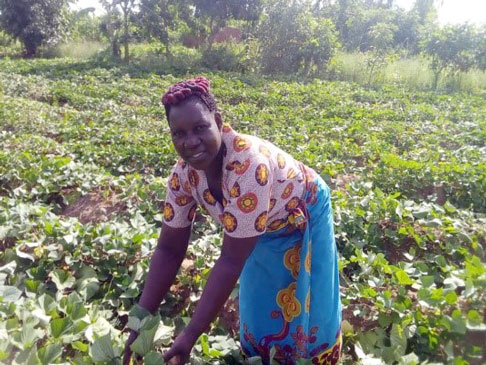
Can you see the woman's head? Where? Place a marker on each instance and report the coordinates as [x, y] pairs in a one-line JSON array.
[[194, 122]]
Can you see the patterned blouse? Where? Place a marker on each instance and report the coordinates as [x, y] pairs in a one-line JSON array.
[[261, 185]]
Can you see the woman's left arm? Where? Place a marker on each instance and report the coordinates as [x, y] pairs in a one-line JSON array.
[[221, 282]]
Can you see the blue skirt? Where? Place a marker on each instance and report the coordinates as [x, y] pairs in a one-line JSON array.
[[289, 287]]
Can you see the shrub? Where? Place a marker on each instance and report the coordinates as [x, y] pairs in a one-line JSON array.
[[294, 40]]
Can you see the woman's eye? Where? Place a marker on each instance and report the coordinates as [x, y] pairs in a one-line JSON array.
[[177, 134], [201, 128]]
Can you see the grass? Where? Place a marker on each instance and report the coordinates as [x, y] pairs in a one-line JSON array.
[[76, 50], [412, 73]]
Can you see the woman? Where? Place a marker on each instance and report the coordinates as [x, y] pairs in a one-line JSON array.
[[278, 236]]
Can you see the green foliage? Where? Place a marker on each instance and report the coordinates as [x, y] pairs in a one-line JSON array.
[[451, 48], [224, 57], [34, 23], [218, 13], [84, 26], [408, 176], [293, 40]]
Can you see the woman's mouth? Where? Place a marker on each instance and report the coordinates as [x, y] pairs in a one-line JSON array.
[[196, 156]]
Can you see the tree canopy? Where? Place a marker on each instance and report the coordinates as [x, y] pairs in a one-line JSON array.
[[34, 22]]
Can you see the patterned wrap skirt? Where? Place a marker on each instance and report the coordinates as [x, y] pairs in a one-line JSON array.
[[289, 287]]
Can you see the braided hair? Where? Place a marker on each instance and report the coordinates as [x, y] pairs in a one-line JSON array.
[[189, 89]]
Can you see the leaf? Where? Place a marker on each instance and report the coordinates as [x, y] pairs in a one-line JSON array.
[[102, 350], [26, 357], [474, 316], [47, 355], [145, 339], [81, 346], [28, 336], [398, 340], [451, 297], [427, 280], [163, 335], [47, 303], [9, 293], [60, 326], [204, 344], [449, 207], [62, 279], [77, 311], [403, 278], [136, 316], [153, 358], [88, 288]]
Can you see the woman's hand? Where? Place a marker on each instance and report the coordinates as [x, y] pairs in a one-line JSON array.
[[180, 350], [127, 355]]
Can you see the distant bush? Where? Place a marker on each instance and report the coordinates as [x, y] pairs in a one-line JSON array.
[[293, 40], [223, 56]]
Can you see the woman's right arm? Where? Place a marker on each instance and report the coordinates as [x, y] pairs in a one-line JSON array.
[[166, 260]]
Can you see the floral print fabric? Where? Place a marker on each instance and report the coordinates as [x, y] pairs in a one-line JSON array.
[[261, 186], [289, 288]]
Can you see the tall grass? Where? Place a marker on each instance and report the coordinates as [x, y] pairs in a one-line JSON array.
[[76, 50], [413, 73]]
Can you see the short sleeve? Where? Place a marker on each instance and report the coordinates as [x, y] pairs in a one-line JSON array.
[[180, 206], [248, 199]]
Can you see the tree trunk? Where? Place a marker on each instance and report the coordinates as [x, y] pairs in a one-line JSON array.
[[125, 39], [436, 78], [116, 49], [126, 51]]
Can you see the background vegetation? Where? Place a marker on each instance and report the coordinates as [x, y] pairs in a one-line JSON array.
[[372, 42], [386, 105]]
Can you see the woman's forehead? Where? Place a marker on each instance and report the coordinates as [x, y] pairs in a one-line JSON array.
[[192, 110]]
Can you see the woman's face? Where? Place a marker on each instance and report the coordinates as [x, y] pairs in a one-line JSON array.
[[196, 133]]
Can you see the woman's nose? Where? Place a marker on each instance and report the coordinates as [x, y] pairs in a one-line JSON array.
[[191, 142]]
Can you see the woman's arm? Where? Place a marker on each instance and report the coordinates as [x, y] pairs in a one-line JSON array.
[[166, 260], [221, 282]]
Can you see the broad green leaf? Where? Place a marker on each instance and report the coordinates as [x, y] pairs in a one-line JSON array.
[[102, 350], [9, 293], [153, 358], [81, 346], [62, 279], [26, 357], [403, 278], [47, 355], [60, 326], [474, 316], [398, 340], [145, 339], [427, 280]]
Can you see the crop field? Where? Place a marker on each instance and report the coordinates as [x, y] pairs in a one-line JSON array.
[[84, 156]]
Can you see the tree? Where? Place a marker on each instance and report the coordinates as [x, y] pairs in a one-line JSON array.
[[158, 17], [84, 25], [111, 27], [451, 48], [127, 9], [294, 40], [116, 24], [34, 22], [216, 13], [381, 43], [361, 23], [481, 49]]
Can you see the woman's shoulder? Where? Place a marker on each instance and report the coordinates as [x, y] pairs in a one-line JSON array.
[[240, 146]]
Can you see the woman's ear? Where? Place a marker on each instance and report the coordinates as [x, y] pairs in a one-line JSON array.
[[218, 119]]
